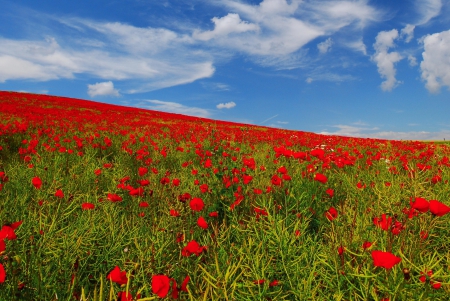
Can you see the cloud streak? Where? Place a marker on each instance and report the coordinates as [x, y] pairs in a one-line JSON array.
[[173, 107], [148, 58], [374, 132]]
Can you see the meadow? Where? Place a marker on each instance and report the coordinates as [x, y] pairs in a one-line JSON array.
[[103, 202]]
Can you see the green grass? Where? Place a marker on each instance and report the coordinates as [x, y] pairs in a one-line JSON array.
[[286, 249]]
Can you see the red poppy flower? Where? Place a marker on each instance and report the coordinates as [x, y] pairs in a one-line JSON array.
[[176, 182], [2, 273], [247, 179], [423, 235], [435, 285], [160, 285], [124, 296], [184, 284], [341, 250], [214, 214], [438, 208], [137, 191], [117, 276], [420, 204], [273, 283], [202, 223], [165, 181], [2, 245], [360, 185], [175, 213], [192, 248], [142, 171], [7, 232], [114, 197], [330, 192], [37, 183], [143, 182], [282, 170], [384, 259], [98, 172], [384, 223], [87, 206], [197, 204], [320, 178], [204, 188], [59, 193], [276, 180], [143, 204], [331, 214], [366, 245]]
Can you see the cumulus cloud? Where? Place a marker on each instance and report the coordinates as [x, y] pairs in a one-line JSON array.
[[173, 107], [385, 60], [408, 32], [102, 89], [151, 58], [436, 61], [231, 23], [325, 45], [412, 61], [227, 105]]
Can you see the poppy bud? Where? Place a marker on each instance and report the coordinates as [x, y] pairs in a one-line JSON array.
[[406, 274]]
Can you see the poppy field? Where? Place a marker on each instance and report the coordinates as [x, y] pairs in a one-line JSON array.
[[104, 202]]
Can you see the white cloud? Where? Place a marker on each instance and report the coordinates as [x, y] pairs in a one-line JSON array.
[[367, 132], [309, 80], [231, 23], [215, 86], [412, 60], [227, 105], [385, 60], [358, 45], [273, 31], [173, 107], [102, 89], [428, 9], [436, 61], [325, 45], [408, 32], [150, 57]]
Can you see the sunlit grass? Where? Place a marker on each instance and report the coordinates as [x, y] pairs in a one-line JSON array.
[[264, 240]]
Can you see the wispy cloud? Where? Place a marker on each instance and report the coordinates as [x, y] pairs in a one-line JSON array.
[[274, 31], [172, 107], [270, 118], [428, 9], [151, 58], [325, 46], [215, 86], [375, 132]]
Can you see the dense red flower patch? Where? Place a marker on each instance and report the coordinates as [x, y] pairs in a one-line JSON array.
[[201, 174]]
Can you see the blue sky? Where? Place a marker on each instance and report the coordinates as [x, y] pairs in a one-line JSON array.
[[359, 68]]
